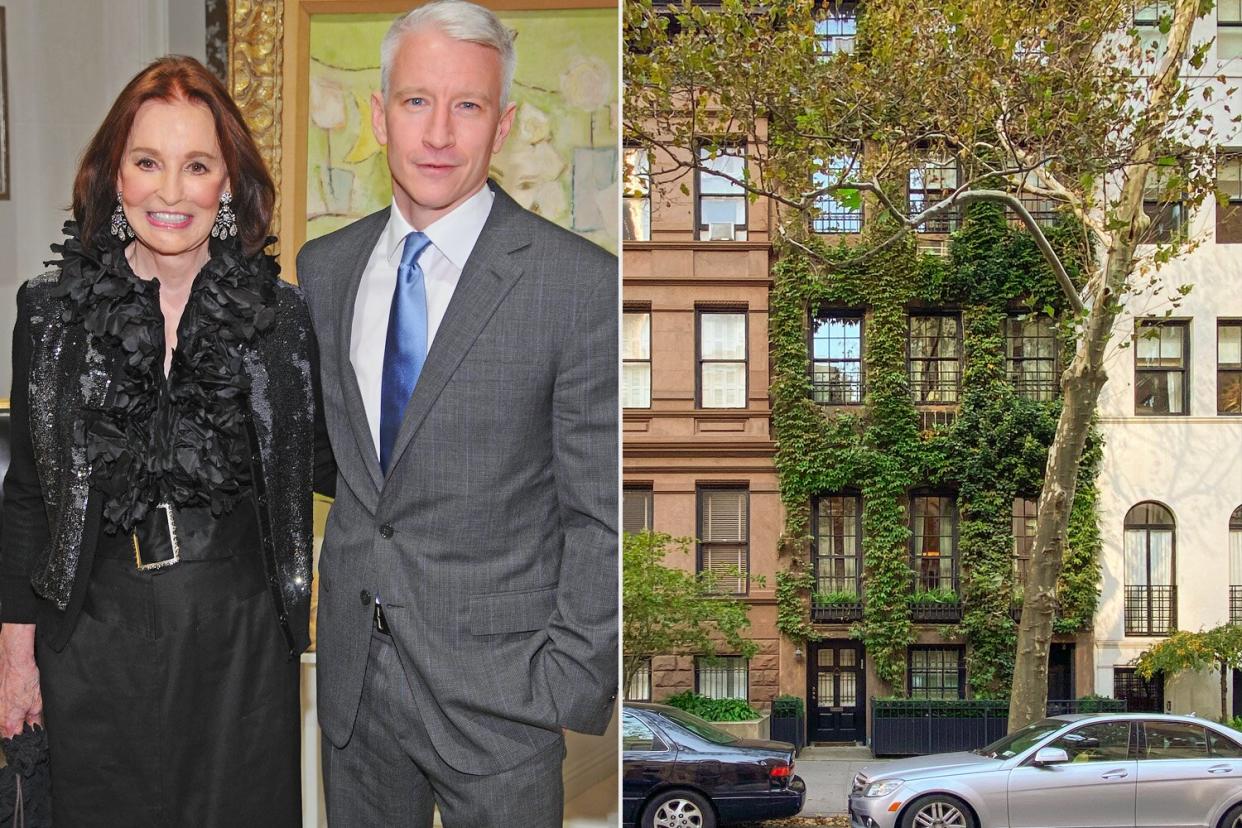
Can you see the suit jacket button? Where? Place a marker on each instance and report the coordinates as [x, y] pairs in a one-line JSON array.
[[365, 598], [386, 531]]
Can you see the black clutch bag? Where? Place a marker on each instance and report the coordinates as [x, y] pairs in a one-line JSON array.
[[26, 780]]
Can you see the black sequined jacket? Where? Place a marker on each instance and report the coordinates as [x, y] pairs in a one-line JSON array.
[[65, 373]]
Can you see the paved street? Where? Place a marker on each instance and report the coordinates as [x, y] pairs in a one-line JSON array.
[[828, 772]]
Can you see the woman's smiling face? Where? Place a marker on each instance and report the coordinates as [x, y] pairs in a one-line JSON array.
[[171, 176]]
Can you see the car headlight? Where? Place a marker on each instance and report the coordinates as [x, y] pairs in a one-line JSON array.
[[883, 787]]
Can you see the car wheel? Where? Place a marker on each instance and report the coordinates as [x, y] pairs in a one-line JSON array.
[[1233, 819], [679, 809], [938, 811]]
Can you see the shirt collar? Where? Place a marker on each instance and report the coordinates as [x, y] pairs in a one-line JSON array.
[[454, 234]]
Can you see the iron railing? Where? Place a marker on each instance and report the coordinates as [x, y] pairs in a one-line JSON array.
[[1151, 610], [1235, 605], [909, 727]]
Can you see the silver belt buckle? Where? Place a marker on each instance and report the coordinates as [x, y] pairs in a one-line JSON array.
[[172, 539]]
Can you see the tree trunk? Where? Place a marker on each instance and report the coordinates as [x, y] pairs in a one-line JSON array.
[[1080, 388], [1224, 694]]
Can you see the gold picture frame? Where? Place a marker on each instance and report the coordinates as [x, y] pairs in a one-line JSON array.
[[269, 77]]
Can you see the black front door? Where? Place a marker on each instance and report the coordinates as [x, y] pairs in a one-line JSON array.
[[837, 692], [1061, 672]]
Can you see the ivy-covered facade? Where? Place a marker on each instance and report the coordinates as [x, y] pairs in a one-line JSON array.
[[913, 399]]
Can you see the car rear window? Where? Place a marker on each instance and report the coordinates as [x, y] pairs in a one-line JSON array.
[[1223, 746], [700, 727]]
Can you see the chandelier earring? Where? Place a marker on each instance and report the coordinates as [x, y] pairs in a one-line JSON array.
[[226, 222], [120, 225]]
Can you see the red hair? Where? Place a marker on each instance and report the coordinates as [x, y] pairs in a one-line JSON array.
[[170, 79]]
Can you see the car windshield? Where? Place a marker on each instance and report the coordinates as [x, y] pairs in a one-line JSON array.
[[1010, 746], [699, 727]]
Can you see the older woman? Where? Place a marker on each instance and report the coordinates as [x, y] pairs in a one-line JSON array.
[[156, 556]]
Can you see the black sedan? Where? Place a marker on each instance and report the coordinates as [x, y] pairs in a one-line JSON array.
[[679, 771]]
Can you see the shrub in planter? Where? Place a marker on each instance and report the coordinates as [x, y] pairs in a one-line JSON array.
[[942, 595], [784, 706], [1092, 703], [713, 710], [788, 721], [834, 599]]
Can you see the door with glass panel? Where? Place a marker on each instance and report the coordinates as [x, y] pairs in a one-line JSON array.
[[836, 711]]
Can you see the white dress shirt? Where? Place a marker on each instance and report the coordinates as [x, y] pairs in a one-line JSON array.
[[453, 237]]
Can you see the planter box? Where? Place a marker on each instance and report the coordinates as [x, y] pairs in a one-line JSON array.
[[790, 729], [837, 613], [760, 728], [936, 613]]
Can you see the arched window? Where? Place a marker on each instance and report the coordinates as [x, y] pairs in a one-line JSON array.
[[1235, 566], [1151, 591]]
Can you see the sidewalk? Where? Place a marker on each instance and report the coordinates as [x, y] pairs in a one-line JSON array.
[[828, 773]]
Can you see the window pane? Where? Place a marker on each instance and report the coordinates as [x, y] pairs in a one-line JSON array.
[[1222, 746], [722, 678], [636, 335], [1103, 742], [1235, 557], [636, 385], [724, 385], [1229, 392], [1229, 174], [636, 510], [723, 335], [729, 165], [1136, 557], [1229, 345], [721, 210], [1161, 550], [1175, 740]]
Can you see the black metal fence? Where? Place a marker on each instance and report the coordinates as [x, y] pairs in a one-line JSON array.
[[1151, 610], [911, 727]]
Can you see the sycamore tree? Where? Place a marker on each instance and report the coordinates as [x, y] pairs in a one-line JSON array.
[[1067, 104], [671, 611], [1219, 648]]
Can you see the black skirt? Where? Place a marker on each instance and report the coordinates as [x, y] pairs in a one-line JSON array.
[[174, 702]]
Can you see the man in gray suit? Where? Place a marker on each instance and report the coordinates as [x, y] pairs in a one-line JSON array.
[[468, 578]]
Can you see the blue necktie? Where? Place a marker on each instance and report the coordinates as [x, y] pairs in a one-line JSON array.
[[406, 346]]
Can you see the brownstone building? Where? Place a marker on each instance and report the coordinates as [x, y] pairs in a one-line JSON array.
[[697, 423]]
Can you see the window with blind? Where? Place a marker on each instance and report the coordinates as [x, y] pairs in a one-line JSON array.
[[931, 182], [724, 538], [722, 359], [639, 686], [1164, 203], [1031, 356], [636, 196], [1229, 367], [721, 677], [837, 365], [636, 359], [1150, 572], [637, 506], [1025, 514], [1228, 29], [838, 546], [1161, 355], [835, 31], [1229, 182], [722, 198], [937, 673], [935, 358], [933, 536]]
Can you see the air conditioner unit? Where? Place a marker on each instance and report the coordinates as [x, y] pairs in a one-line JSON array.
[[720, 231]]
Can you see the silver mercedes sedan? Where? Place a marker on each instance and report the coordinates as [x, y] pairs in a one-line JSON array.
[[1072, 771]]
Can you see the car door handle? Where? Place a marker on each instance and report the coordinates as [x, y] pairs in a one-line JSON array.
[[1115, 774], [1221, 769]]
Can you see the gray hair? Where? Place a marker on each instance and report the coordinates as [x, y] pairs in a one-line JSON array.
[[459, 20]]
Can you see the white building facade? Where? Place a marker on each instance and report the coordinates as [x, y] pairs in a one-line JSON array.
[[1170, 484]]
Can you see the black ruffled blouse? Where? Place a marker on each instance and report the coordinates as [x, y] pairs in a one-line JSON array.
[[180, 439]]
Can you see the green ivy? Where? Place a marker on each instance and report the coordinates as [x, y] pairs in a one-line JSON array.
[[995, 450]]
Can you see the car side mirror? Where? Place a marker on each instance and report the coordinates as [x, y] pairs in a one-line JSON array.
[[1050, 756]]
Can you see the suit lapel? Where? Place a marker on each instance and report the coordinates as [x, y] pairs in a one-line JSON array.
[[355, 409], [487, 278]]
